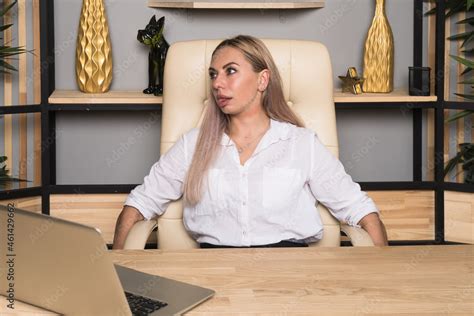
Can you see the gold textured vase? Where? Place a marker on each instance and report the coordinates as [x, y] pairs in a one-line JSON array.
[[93, 49], [379, 53]]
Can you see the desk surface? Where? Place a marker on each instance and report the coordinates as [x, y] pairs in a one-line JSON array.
[[309, 281]]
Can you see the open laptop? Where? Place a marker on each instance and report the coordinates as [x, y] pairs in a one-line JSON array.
[[65, 267]]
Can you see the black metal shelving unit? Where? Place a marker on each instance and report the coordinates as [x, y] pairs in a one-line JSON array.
[[48, 120]]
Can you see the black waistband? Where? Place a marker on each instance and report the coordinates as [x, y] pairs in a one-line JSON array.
[[283, 243]]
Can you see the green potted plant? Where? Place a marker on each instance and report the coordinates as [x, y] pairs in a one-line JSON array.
[[4, 177], [7, 51], [465, 155]]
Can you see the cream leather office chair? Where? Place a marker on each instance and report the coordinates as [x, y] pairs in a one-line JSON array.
[[307, 77]]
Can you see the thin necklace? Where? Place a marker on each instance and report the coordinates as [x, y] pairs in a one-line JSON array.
[[241, 148]]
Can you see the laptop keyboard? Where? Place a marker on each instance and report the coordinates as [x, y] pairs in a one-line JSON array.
[[140, 305]]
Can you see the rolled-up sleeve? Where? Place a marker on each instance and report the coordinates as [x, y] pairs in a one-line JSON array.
[[163, 184], [333, 187]]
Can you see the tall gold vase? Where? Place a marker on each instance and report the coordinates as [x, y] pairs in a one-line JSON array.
[[93, 49], [379, 53]]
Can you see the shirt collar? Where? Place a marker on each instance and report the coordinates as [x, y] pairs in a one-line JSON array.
[[277, 131]]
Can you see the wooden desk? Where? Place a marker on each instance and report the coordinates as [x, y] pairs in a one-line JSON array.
[[407, 280]]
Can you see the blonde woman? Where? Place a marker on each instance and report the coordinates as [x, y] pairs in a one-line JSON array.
[[251, 175]]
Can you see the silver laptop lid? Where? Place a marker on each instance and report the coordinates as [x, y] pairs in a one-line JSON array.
[[57, 265]]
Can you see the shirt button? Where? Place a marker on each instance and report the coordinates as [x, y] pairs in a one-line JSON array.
[[244, 203]]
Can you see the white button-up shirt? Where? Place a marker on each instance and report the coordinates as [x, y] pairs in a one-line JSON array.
[[272, 197]]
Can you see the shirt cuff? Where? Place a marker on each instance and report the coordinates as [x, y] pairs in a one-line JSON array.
[[148, 215], [354, 220]]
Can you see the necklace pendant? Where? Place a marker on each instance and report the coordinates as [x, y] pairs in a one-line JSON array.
[[240, 150]]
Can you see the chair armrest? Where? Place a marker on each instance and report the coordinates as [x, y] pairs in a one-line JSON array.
[[139, 233], [358, 236]]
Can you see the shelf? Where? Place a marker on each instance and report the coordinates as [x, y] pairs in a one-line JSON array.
[[16, 109], [111, 97], [104, 107], [404, 107], [20, 193], [91, 188], [397, 185], [398, 95], [459, 105], [236, 4], [137, 97], [458, 187]]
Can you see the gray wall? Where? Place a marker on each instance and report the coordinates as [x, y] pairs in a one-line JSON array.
[[96, 147]]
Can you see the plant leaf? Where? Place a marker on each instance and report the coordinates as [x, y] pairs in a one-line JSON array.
[[451, 4], [4, 27], [10, 52], [465, 71], [470, 3], [455, 6], [431, 11], [452, 7], [467, 164], [467, 40], [12, 48], [5, 10], [459, 115], [10, 179], [468, 51], [4, 177], [5, 50], [465, 149], [4, 65], [463, 61], [459, 36], [466, 21], [466, 96], [453, 162], [467, 82]]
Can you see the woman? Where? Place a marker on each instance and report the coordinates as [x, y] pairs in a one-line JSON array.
[[251, 175]]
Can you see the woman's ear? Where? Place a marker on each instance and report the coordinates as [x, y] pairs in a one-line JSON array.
[[263, 79]]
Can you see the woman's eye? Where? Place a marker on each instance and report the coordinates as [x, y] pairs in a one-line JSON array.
[[212, 75], [230, 71]]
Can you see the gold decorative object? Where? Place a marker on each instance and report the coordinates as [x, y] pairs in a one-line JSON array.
[[378, 55], [93, 49], [352, 82]]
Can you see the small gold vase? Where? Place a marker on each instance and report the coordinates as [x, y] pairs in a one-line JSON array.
[[93, 49], [379, 53]]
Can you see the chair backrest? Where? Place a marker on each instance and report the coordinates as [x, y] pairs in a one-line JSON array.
[[306, 73]]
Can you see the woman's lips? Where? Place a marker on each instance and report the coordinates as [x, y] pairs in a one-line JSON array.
[[222, 101]]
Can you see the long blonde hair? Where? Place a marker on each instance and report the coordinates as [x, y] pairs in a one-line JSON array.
[[215, 122]]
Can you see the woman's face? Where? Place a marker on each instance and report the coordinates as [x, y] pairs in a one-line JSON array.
[[235, 86]]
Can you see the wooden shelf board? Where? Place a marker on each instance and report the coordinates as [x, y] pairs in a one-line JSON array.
[[236, 4], [398, 95], [137, 97], [111, 97]]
